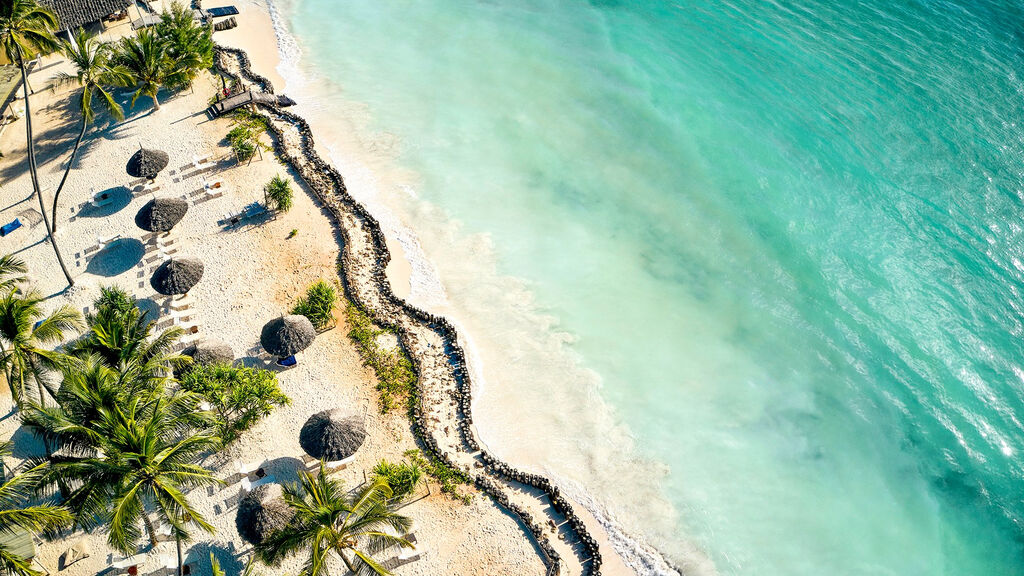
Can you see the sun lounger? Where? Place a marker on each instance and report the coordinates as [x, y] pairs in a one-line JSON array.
[[10, 227], [101, 199], [201, 162], [222, 11], [130, 561], [340, 464], [248, 485], [245, 468]]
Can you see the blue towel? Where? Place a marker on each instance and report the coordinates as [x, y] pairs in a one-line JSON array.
[[289, 361], [11, 227]]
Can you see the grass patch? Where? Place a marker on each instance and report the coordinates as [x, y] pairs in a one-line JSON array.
[[396, 380], [449, 478]]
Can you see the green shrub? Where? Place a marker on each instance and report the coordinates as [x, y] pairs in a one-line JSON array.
[[395, 376], [279, 193], [240, 396], [243, 149], [113, 299], [449, 478], [401, 477], [318, 304]]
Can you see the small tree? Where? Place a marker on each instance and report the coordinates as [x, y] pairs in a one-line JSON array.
[[189, 44], [240, 396], [279, 193], [318, 304]]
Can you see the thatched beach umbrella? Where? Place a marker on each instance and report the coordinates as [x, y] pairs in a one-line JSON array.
[[287, 335], [261, 512], [161, 214], [331, 436], [208, 351], [147, 163], [177, 276]]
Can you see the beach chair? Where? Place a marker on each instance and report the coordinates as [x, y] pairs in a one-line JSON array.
[[246, 468], [100, 199], [201, 162], [340, 464], [248, 485], [10, 227], [126, 564]]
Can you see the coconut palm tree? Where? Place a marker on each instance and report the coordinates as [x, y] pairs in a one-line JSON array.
[[189, 45], [329, 520], [134, 459], [25, 330], [16, 516], [146, 59], [12, 272], [95, 73], [122, 336], [26, 31]]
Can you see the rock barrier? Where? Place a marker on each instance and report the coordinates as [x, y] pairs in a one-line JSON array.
[[297, 150]]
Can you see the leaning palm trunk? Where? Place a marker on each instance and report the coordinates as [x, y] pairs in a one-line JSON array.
[[71, 162], [32, 169]]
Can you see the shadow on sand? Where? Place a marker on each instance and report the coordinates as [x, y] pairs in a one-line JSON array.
[[120, 197], [117, 257]]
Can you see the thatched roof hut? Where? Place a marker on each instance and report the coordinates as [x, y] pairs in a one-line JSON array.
[[73, 14], [330, 435], [177, 276], [208, 351], [147, 163], [287, 335], [161, 214], [261, 512]]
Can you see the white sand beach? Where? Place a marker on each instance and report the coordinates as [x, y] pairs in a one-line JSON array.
[[253, 273]]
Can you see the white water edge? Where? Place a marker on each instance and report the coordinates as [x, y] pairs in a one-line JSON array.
[[601, 455]]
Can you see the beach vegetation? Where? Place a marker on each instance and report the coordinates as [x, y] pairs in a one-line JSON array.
[[25, 332], [318, 304], [122, 336], [244, 136], [96, 73], [356, 526], [20, 512], [146, 58], [293, 233], [239, 397], [129, 459], [189, 44], [448, 477], [26, 31], [279, 193], [396, 379], [402, 477]]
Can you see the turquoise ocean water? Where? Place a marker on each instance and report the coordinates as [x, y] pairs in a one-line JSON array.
[[781, 240]]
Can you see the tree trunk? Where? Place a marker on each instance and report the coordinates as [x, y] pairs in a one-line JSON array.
[[71, 162], [181, 568], [156, 102], [32, 169], [149, 529], [348, 563]]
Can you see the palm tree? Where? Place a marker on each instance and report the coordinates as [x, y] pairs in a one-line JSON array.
[[12, 270], [95, 73], [189, 45], [329, 520], [122, 336], [24, 331], [25, 32], [133, 458], [15, 516], [146, 59]]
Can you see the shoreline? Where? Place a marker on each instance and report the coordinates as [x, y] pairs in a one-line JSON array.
[[366, 283], [395, 272]]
